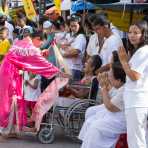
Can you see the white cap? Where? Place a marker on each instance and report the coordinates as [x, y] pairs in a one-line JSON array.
[[47, 24]]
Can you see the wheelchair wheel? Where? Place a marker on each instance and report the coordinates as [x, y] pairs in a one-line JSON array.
[[46, 135], [74, 118]]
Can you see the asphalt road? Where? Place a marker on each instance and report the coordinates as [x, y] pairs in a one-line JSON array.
[[30, 141]]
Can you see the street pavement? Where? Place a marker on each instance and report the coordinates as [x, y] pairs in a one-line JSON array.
[[30, 141]]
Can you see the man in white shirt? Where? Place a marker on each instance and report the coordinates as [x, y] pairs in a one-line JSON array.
[[96, 41], [112, 41]]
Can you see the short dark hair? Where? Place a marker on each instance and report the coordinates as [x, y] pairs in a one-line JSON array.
[[93, 17], [96, 62], [118, 71], [102, 21]]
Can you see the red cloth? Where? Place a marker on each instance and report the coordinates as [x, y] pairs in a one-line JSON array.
[[122, 142], [30, 104]]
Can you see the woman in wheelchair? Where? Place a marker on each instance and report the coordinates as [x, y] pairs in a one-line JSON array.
[[104, 123], [80, 90]]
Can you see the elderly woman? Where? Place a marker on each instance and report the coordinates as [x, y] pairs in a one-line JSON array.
[[102, 128], [92, 64]]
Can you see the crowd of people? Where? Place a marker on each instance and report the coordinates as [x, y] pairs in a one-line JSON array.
[[29, 70]]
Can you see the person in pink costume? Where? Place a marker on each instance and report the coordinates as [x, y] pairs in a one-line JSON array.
[[24, 56]]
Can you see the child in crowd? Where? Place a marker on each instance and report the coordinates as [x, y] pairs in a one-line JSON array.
[[4, 42], [31, 89], [21, 25]]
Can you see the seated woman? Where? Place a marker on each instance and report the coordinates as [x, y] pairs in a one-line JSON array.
[[92, 64], [104, 123]]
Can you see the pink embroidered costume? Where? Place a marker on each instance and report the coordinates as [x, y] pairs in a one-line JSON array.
[[46, 100], [23, 55]]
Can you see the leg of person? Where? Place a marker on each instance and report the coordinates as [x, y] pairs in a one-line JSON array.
[[85, 127], [94, 110], [96, 138], [92, 115], [136, 119]]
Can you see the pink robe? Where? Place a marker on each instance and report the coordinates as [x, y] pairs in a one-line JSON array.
[[46, 100], [23, 55]]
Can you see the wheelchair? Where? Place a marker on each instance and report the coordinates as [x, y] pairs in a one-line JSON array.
[[70, 118]]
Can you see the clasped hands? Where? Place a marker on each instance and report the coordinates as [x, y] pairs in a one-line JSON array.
[[123, 57]]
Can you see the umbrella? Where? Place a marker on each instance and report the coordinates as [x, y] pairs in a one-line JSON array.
[[82, 5]]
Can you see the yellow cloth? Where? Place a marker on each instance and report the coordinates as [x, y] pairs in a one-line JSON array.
[[4, 47], [29, 9], [57, 4]]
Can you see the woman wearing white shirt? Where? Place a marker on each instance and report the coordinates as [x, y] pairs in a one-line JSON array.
[[103, 128], [136, 87], [75, 47]]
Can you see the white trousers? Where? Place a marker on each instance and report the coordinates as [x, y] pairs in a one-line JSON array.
[[102, 128], [136, 119]]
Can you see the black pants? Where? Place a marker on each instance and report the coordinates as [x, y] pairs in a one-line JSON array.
[[45, 82]]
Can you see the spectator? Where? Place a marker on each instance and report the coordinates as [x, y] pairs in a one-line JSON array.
[[74, 48], [112, 41], [74, 93], [21, 22], [5, 23], [104, 123], [4, 42], [136, 86], [49, 31], [32, 91]]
